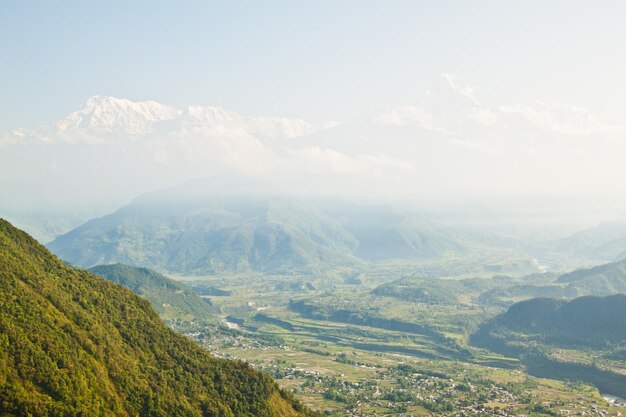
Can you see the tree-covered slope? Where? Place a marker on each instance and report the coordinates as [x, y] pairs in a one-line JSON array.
[[422, 290], [73, 344], [600, 280], [584, 321], [170, 299]]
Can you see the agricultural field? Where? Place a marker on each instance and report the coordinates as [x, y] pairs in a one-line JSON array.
[[354, 351]]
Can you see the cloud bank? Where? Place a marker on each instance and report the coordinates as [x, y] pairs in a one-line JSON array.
[[446, 145]]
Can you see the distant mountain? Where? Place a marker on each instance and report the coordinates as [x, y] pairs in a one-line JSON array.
[[45, 226], [105, 117], [170, 299], [187, 231], [74, 344], [212, 235], [600, 280], [384, 233], [605, 242], [111, 115], [584, 321]]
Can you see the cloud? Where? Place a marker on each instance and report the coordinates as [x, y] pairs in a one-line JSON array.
[[325, 160], [112, 144], [558, 118]]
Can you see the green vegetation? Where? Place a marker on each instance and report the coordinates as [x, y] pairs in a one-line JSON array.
[[603, 243], [385, 346], [73, 344], [211, 236], [585, 321], [430, 291], [581, 339], [600, 280], [170, 299], [193, 235]]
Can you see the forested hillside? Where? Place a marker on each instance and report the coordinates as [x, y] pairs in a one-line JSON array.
[[170, 299], [73, 344], [584, 321]]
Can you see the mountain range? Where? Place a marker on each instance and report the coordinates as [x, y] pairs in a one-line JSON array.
[[446, 142], [186, 231]]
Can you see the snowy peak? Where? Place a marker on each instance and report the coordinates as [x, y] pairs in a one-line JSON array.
[[111, 115], [444, 106], [448, 97], [208, 115], [266, 127], [104, 115]]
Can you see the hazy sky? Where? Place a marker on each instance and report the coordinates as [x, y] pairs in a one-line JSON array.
[[432, 99], [316, 60]]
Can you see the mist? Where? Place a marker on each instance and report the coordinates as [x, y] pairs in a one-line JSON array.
[[446, 148]]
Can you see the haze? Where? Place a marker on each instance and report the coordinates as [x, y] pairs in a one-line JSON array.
[[478, 103]]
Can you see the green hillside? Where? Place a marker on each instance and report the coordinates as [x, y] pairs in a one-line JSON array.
[[420, 290], [584, 321], [170, 299], [604, 242], [73, 344], [600, 280]]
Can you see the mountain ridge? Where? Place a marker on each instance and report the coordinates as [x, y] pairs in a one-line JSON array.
[[185, 231], [172, 300], [76, 344]]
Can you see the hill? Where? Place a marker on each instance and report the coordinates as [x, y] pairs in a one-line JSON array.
[[206, 236], [429, 291], [189, 230], [605, 242], [75, 344], [599, 280], [584, 321], [170, 299]]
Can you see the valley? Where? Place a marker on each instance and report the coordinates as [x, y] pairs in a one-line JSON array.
[[360, 352], [364, 310], [355, 208]]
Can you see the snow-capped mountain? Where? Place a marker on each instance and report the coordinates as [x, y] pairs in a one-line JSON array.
[[271, 127], [445, 106], [104, 117], [111, 115], [416, 146]]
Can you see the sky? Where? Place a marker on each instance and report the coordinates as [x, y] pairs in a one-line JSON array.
[[532, 102], [316, 60]]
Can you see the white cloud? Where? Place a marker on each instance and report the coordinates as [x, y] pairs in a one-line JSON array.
[[115, 143], [558, 118], [406, 115], [324, 160]]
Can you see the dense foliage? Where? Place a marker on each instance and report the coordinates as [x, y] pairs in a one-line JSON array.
[[600, 280], [429, 291], [170, 299], [588, 321], [73, 344]]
